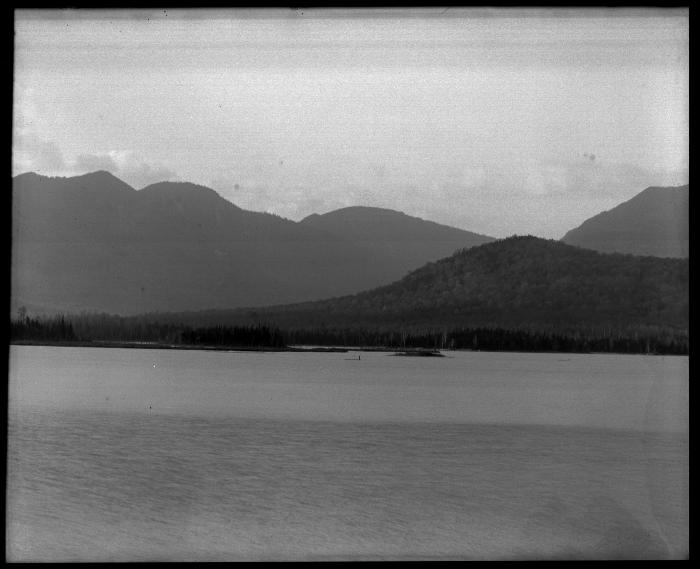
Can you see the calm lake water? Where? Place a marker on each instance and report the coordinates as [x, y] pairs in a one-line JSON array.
[[125, 455]]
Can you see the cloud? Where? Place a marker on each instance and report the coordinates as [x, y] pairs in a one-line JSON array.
[[93, 162], [33, 153], [542, 179], [125, 165], [290, 201], [595, 177], [590, 177]]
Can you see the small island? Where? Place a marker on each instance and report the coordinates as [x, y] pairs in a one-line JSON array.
[[420, 353]]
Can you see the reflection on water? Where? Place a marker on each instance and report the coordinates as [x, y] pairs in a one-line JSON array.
[[119, 483]]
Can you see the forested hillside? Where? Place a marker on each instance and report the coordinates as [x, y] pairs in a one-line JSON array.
[[519, 282]]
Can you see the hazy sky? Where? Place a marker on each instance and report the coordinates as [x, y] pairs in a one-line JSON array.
[[496, 121]]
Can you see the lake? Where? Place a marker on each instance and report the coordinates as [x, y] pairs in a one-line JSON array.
[[168, 455]]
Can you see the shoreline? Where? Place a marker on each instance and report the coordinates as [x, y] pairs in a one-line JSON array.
[[311, 349], [158, 346]]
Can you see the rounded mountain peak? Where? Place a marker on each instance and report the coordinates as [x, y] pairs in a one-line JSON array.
[[184, 192]]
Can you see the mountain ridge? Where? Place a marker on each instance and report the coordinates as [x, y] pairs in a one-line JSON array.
[[93, 242], [348, 218], [653, 222]]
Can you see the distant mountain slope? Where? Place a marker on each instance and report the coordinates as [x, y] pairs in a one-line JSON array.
[[654, 222], [406, 241], [93, 242], [516, 282], [50, 209]]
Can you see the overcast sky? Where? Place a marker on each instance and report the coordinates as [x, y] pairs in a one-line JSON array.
[[495, 121]]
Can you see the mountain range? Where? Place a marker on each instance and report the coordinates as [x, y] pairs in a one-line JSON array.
[[94, 243]]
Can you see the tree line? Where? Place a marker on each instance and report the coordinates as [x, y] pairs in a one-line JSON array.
[[87, 328]]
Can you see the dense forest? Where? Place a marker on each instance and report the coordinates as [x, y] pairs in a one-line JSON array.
[[88, 328], [100, 328]]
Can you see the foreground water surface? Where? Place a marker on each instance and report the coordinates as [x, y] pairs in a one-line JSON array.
[[125, 455]]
